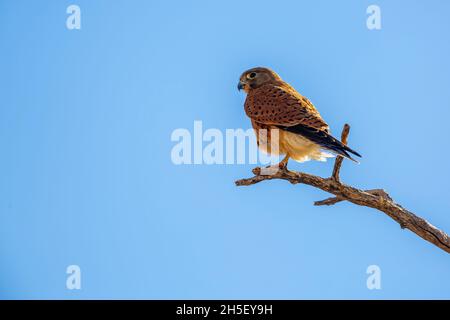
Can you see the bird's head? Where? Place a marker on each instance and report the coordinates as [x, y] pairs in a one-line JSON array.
[[256, 77]]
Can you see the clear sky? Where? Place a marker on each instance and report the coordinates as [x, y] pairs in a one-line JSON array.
[[87, 178]]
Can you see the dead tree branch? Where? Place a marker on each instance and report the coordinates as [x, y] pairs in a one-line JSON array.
[[374, 198]]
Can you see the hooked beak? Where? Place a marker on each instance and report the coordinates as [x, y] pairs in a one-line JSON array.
[[240, 86]]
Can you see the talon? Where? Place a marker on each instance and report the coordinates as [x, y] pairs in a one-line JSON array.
[[283, 164], [269, 170]]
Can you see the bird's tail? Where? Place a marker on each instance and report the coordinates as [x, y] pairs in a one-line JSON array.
[[324, 139], [341, 149]]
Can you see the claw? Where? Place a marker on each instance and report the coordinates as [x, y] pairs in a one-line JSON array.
[[270, 170]]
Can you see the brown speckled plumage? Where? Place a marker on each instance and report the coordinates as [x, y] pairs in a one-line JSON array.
[[273, 104], [278, 104]]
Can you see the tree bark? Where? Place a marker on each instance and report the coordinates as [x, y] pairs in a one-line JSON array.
[[374, 198]]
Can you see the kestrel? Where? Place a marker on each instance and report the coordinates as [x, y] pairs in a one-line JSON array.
[[303, 135]]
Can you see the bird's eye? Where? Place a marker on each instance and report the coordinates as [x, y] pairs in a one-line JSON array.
[[251, 75]]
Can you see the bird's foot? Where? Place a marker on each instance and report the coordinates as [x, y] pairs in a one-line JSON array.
[[274, 169], [269, 170], [283, 166]]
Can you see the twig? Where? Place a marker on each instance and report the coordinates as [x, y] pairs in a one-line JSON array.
[[375, 198], [339, 159], [334, 200]]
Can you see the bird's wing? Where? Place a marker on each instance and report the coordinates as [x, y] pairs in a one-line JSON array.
[[285, 108], [323, 139]]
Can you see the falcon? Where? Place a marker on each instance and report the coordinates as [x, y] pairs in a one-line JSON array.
[[272, 104]]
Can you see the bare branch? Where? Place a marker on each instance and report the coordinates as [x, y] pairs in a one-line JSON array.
[[328, 201], [334, 200], [375, 198], [339, 159]]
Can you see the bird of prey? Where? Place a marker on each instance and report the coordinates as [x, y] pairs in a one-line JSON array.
[[303, 135]]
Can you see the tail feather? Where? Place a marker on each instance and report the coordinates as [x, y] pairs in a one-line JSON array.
[[324, 139]]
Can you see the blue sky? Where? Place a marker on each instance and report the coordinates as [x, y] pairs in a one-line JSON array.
[[87, 179]]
